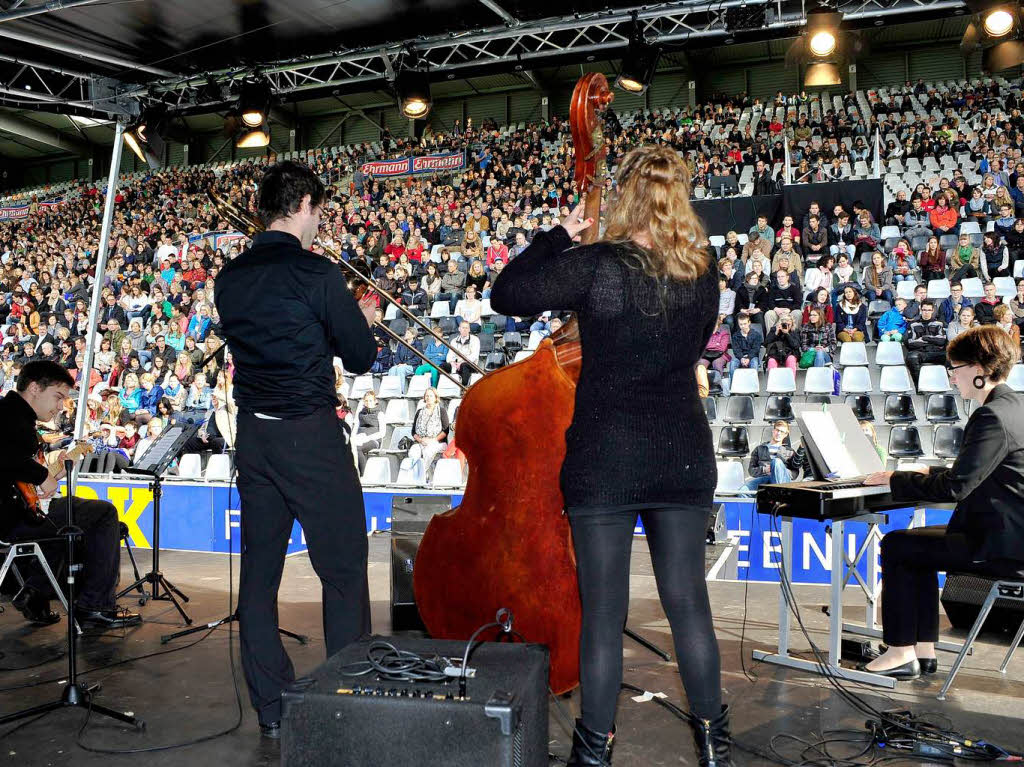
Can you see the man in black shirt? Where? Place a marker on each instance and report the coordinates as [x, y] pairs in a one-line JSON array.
[[925, 339], [286, 313], [41, 390]]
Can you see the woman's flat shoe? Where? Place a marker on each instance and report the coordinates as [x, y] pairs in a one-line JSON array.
[[910, 670], [928, 665]]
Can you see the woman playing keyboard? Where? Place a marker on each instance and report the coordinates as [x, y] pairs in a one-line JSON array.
[[985, 535]]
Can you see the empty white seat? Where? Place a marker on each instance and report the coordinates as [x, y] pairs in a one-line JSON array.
[[856, 380], [905, 289], [390, 386], [1005, 287], [819, 381], [933, 378], [447, 473], [889, 353], [536, 337], [938, 289], [446, 387], [853, 353], [440, 309], [730, 477], [377, 472], [522, 354], [890, 231], [360, 386], [718, 240], [1016, 378], [745, 381], [406, 477], [973, 287], [219, 467], [970, 227], [895, 378], [391, 313], [190, 466], [780, 381], [398, 411]]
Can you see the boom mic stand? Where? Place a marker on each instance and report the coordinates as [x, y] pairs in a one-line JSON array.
[[75, 694]]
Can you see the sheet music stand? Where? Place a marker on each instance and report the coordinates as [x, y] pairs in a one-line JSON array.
[[153, 464]]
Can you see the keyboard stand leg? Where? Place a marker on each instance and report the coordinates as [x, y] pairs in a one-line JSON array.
[[836, 580]]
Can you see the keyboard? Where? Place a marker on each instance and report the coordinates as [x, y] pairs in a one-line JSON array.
[[824, 500]]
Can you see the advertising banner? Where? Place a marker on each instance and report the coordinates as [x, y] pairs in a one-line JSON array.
[[408, 166], [21, 211]]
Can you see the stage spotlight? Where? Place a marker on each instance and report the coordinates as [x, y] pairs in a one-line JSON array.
[[145, 137], [413, 89], [255, 137], [254, 103], [638, 66], [822, 43], [998, 22]]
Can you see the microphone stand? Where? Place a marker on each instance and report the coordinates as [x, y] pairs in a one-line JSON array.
[[75, 693]]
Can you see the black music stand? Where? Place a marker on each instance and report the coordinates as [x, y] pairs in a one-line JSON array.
[[74, 694], [153, 464]]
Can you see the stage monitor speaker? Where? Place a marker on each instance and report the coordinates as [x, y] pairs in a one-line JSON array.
[[334, 720], [962, 598], [409, 517]]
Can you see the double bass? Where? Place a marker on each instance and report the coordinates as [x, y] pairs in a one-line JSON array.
[[509, 544]]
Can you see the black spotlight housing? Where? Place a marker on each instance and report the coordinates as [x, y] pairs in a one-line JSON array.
[[413, 89], [998, 29], [145, 137], [254, 103], [638, 66]]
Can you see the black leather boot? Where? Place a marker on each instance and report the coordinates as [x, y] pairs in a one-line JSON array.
[[589, 748], [712, 739]]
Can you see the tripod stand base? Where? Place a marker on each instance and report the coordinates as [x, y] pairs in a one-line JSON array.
[[300, 638], [162, 589], [77, 696], [644, 643]]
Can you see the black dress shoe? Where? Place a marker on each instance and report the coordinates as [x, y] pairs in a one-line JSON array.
[[909, 670], [272, 730], [118, 618], [35, 607], [928, 665]]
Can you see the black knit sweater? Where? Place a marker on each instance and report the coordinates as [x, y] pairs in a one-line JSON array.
[[639, 436]]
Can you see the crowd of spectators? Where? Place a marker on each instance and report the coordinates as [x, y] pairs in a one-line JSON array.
[[792, 291]]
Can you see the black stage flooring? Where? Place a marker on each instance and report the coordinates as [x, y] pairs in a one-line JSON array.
[[188, 693]]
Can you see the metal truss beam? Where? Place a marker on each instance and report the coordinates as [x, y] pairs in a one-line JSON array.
[[517, 46]]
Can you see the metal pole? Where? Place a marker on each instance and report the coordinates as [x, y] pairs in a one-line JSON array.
[[97, 285]]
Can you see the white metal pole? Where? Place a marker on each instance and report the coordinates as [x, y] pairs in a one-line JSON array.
[[85, 373]]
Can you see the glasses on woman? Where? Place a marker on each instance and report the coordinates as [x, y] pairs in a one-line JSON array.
[[950, 369]]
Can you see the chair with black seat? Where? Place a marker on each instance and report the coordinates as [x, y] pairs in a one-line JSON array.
[[779, 407], [860, 404], [494, 361], [486, 342], [948, 439], [398, 326], [739, 409], [905, 442], [711, 409], [941, 408], [733, 442], [513, 341], [899, 408], [818, 399], [447, 325]]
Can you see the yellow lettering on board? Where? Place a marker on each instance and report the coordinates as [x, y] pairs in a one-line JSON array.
[[82, 491], [141, 497]]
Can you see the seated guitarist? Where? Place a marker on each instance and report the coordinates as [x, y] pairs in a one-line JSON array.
[[41, 389]]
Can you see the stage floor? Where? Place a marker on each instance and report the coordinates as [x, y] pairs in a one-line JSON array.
[[188, 693]]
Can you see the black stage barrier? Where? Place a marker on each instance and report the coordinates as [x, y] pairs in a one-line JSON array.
[[740, 214], [796, 198]]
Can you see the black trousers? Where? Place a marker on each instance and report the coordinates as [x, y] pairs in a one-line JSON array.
[[99, 551], [676, 538], [917, 359], [300, 469], [911, 562]]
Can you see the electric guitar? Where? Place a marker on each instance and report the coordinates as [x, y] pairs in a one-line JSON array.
[[29, 494]]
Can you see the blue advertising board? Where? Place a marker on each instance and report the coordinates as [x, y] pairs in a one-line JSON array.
[[205, 516]]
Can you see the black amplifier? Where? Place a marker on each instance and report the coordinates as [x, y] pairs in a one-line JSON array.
[[410, 515], [335, 720]]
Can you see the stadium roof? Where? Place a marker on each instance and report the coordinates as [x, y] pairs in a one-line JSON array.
[[87, 58]]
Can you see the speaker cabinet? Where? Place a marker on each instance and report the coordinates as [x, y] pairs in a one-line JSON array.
[[409, 518]]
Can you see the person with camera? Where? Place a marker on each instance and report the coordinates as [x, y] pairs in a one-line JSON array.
[[774, 461], [782, 346]]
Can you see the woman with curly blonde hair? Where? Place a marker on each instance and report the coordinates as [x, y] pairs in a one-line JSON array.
[[646, 299]]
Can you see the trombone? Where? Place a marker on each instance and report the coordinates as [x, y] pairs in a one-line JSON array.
[[250, 226]]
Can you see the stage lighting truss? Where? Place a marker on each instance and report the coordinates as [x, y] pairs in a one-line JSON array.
[[603, 34]]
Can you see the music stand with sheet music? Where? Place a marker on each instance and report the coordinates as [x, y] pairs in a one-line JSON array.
[[153, 463]]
